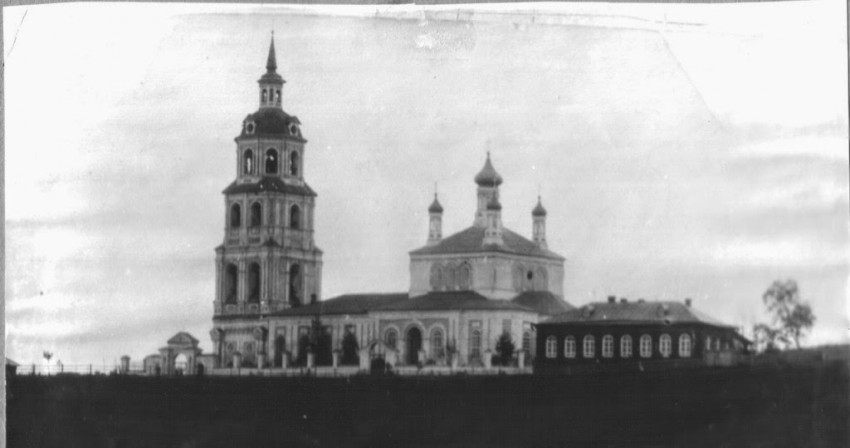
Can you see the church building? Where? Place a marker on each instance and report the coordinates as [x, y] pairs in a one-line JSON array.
[[466, 289]]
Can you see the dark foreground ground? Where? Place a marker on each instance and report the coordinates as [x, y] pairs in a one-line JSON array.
[[791, 406]]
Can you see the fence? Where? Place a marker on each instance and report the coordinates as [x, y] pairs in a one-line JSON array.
[[77, 369]]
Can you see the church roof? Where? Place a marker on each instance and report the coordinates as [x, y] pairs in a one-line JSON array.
[[471, 240], [345, 304], [544, 302], [452, 300], [608, 313], [274, 184], [272, 122], [488, 177], [182, 338]]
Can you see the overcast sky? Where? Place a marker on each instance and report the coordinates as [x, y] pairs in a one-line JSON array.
[[681, 151]]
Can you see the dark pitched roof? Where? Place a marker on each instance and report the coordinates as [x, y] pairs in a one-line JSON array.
[[452, 300], [269, 184], [634, 313], [472, 240], [271, 122], [345, 304], [544, 302]]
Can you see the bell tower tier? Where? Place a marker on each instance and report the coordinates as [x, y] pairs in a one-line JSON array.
[[268, 260]]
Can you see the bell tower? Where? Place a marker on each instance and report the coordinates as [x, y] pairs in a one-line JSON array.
[[268, 260]]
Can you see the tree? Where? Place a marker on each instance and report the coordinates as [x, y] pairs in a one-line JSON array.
[[505, 348], [791, 318], [47, 355]]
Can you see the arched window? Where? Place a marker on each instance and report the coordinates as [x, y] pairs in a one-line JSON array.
[[526, 341], [437, 348], [231, 282], [391, 338], [708, 343], [645, 346], [293, 163], [685, 346], [248, 162], [551, 347], [235, 216], [665, 345], [436, 277], [295, 217], [295, 289], [254, 283], [277, 97], [475, 344], [450, 277], [539, 282], [265, 96], [271, 161], [589, 346], [256, 214], [626, 346], [465, 277], [608, 346], [519, 272], [570, 347]]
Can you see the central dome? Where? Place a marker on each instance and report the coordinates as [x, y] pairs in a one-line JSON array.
[[488, 177], [271, 122]]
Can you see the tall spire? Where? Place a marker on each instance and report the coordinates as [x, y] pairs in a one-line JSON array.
[[271, 64]]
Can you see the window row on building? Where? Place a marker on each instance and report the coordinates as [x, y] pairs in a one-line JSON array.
[[231, 284], [451, 276], [255, 219], [645, 346], [271, 163]]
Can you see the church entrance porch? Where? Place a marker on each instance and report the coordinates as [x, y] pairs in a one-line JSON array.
[[414, 345]]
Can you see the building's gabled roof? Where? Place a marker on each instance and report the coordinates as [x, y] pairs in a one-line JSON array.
[[269, 184], [471, 240], [605, 313], [452, 301], [345, 304], [544, 302]]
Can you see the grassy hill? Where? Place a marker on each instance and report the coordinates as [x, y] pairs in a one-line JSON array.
[[775, 406]]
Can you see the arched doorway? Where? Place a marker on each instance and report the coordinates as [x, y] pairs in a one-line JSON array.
[[414, 344], [279, 346], [181, 364]]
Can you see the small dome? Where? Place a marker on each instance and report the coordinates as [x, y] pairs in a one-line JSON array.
[[488, 177], [538, 210], [270, 121], [494, 204], [435, 206]]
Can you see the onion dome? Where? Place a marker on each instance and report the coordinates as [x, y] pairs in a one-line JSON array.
[[538, 210], [435, 206], [494, 204], [271, 76], [488, 177]]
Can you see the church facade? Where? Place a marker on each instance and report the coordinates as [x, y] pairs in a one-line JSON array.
[[466, 289]]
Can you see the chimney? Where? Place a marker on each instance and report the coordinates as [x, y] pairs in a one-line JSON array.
[[688, 302], [624, 300], [612, 299]]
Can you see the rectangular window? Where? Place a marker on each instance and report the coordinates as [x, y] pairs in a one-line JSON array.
[[506, 326]]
